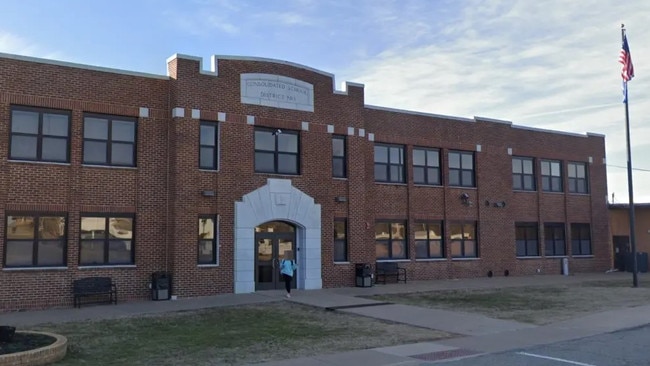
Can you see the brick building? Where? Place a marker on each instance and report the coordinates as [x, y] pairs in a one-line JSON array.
[[213, 175]]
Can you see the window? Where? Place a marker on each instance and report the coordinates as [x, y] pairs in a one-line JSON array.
[[389, 163], [551, 176], [340, 240], [390, 240], [428, 240], [208, 146], [35, 240], [523, 174], [580, 239], [208, 240], [40, 135], [554, 240], [526, 239], [426, 166], [106, 240], [461, 169], [462, 236], [577, 173], [277, 151], [109, 140], [339, 166]]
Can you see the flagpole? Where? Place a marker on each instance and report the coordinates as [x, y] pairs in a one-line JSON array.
[[635, 279]]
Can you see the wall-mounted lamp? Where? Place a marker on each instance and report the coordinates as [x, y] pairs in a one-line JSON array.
[[464, 198], [277, 132], [208, 193], [340, 199]]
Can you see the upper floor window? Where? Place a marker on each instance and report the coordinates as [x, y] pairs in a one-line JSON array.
[[577, 174], [40, 135], [523, 174], [340, 240], [461, 169], [580, 239], [462, 239], [339, 166], [106, 239], [428, 240], [526, 239], [277, 151], [36, 240], [390, 240], [554, 240], [389, 163], [426, 166], [109, 140], [551, 176], [208, 146], [208, 240]]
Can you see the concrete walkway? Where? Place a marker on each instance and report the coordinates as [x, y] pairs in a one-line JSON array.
[[477, 333]]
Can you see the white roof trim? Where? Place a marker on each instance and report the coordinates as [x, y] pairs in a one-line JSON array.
[[81, 66], [493, 120], [549, 131], [404, 111]]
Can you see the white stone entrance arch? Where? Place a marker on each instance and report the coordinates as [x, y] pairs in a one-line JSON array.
[[278, 200]]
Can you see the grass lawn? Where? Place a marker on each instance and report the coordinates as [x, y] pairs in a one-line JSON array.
[[228, 336], [536, 305]]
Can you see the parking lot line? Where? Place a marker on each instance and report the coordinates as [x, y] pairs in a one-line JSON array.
[[555, 359]]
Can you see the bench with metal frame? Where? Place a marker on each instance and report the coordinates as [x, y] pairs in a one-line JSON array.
[[94, 287], [389, 269]]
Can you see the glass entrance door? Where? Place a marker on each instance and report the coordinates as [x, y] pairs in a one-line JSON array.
[[272, 241]]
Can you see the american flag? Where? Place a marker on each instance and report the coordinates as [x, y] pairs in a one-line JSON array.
[[625, 58]]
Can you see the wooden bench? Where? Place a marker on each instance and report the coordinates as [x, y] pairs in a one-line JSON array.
[[94, 287], [389, 269]]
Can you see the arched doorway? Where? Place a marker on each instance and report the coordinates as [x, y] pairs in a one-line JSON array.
[[272, 241]]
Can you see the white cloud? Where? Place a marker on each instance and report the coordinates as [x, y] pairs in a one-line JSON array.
[[10, 43], [549, 64]]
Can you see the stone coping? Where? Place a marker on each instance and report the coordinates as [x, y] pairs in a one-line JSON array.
[[38, 356]]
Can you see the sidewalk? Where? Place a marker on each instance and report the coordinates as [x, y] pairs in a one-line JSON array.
[[477, 333]]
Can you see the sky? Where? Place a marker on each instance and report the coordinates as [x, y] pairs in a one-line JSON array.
[[550, 64]]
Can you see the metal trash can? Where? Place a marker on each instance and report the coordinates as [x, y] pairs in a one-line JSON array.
[[161, 286], [363, 275]]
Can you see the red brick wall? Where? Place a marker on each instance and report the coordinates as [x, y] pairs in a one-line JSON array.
[[164, 191]]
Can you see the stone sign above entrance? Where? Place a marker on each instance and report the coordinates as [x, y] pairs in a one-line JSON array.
[[277, 91]]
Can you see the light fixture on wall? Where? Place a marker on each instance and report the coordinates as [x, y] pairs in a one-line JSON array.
[[464, 199], [277, 132], [208, 193], [340, 199]]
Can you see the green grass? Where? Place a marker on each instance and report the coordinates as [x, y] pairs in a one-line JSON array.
[[228, 336]]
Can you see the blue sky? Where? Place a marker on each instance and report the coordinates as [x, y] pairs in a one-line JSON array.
[[549, 63]]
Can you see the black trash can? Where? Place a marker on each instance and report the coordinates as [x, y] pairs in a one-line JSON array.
[[363, 274], [161, 286]]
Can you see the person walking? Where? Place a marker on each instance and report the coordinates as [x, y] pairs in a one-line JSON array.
[[287, 269]]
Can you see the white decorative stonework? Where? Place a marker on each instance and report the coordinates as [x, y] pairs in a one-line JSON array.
[[371, 137], [305, 126], [591, 160], [478, 148], [144, 112], [362, 132], [250, 120], [330, 128], [277, 91], [178, 112], [196, 113], [509, 151], [278, 200], [351, 131]]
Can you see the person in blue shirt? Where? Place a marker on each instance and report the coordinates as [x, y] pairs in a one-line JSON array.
[[287, 269]]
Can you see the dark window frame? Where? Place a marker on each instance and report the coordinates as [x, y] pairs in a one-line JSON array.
[[109, 140], [389, 241], [550, 231], [214, 242], [428, 241], [106, 240], [343, 243], [581, 233], [520, 178], [530, 233], [276, 153], [401, 172], [35, 239], [574, 182], [437, 181], [40, 135], [341, 158], [215, 147], [547, 180], [462, 240], [462, 169]]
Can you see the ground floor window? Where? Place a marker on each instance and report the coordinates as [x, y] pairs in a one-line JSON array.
[[580, 239], [526, 239], [462, 239], [390, 240], [35, 240], [428, 240], [106, 239], [340, 240], [208, 251], [554, 240]]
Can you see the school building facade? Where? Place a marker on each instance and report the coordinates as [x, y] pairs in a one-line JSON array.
[[213, 175]]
